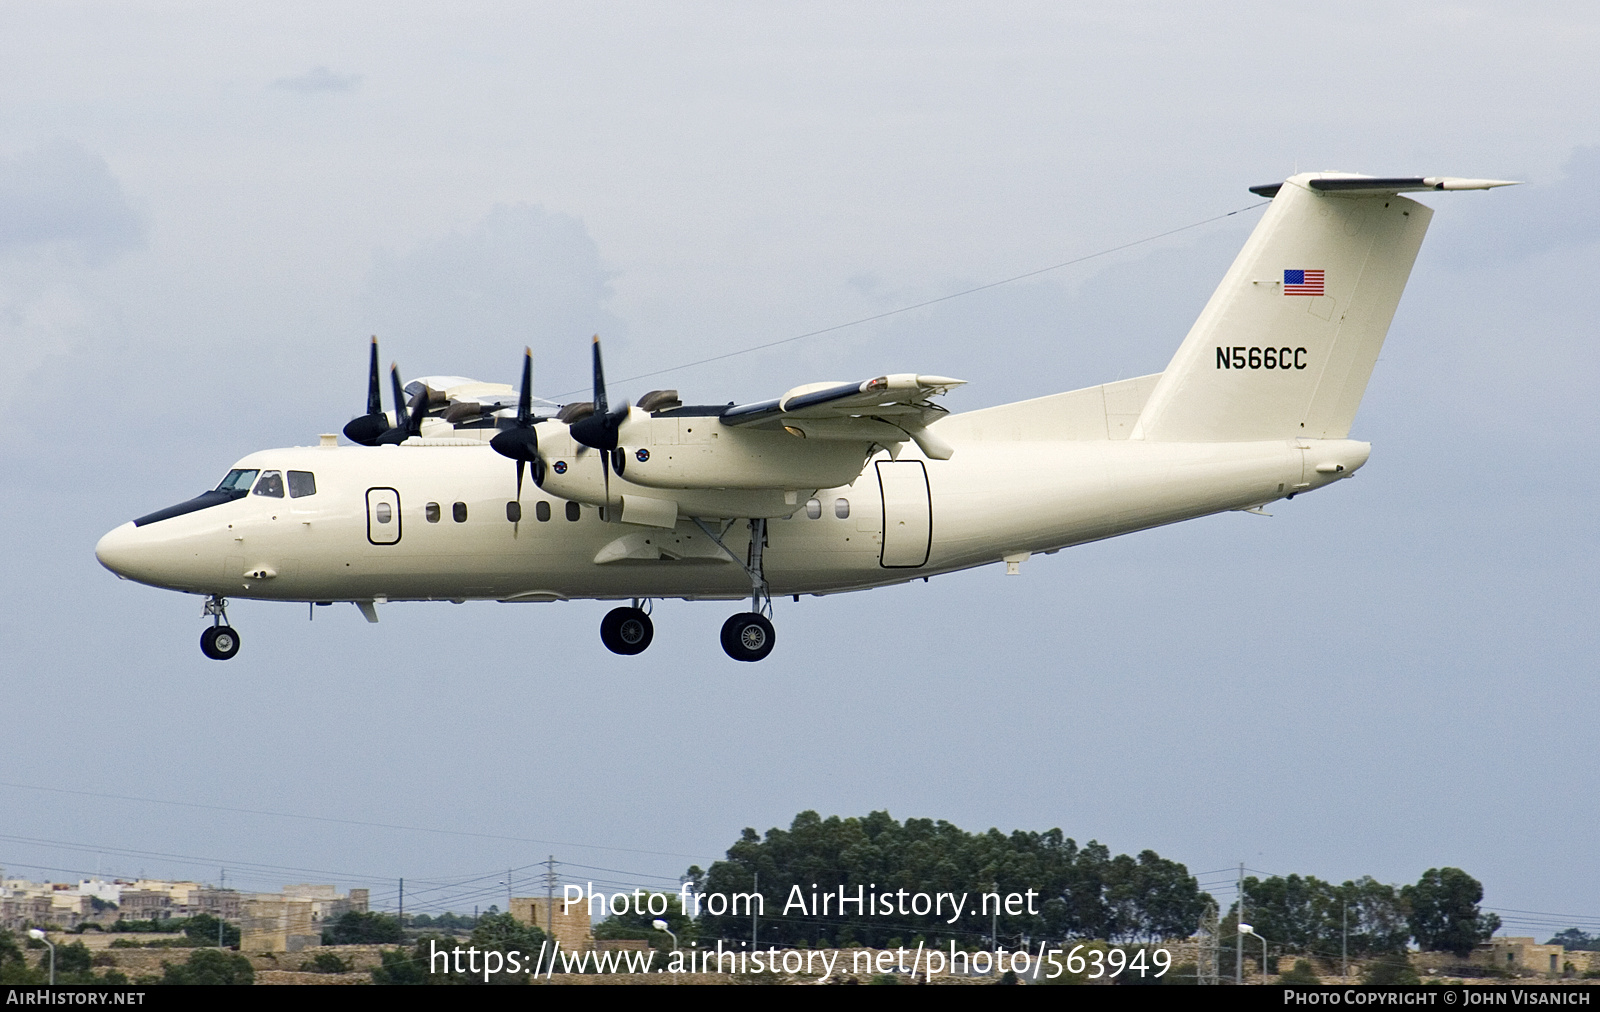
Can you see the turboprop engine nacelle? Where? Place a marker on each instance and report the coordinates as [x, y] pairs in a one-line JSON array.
[[700, 452], [583, 476]]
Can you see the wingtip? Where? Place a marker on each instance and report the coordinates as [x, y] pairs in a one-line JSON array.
[[1452, 183]]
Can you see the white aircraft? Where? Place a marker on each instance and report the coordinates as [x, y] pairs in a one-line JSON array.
[[831, 487]]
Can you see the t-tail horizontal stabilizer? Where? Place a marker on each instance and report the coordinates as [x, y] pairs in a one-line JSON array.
[[1286, 344]]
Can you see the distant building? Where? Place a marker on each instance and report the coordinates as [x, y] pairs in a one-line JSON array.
[[1525, 956], [25, 904], [569, 923], [293, 919]]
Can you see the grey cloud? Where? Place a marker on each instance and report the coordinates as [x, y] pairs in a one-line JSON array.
[[520, 275], [318, 79], [63, 195]]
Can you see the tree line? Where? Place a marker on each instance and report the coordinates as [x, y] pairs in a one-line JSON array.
[[1363, 918], [1085, 892]]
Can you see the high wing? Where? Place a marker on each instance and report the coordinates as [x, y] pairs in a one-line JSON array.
[[885, 410]]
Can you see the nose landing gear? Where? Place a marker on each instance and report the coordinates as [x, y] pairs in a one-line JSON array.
[[627, 631], [221, 641]]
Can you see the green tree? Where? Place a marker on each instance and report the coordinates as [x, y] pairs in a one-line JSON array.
[[1574, 940], [210, 966], [1079, 892], [1444, 913], [325, 962], [1378, 919], [397, 966], [1391, 968], [14, 968], [362, 928], [642, 926], [1302, 973], [202, 930], [503, 933], [74, 958]]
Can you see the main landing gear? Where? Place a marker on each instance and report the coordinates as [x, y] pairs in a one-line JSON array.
[[627, 631], [221, 641], [747, 636]]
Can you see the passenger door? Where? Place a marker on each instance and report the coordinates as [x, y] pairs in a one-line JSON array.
[[907, 514], [383, 516]]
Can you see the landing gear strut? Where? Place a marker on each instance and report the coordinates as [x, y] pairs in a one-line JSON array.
[[627, 631], [749, 636], [221, 641]]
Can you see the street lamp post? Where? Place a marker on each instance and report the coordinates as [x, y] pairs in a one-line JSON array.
[[40, 935], [661, 925], [1246, 929]]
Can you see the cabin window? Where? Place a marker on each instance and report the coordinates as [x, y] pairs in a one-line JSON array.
[[271, 483], [542, 511], [302, 483], [513, 511], [383, 513], [431, 511], [459, 512], [572, 511], [813, 508], [238, 481], [841, 508]]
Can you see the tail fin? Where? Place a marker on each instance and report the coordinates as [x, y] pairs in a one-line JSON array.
[[1287, 342]]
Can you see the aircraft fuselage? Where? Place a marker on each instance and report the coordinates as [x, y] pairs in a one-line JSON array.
[[448, 535]]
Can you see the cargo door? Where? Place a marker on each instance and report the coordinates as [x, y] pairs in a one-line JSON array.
[[907, 514]]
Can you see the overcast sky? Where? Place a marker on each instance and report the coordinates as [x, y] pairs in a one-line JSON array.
[[205, 210]]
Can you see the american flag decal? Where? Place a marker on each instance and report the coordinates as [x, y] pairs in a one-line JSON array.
[[1303, 283]]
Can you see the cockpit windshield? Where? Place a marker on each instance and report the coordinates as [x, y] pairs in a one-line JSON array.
[[271, 483], [238, 481]]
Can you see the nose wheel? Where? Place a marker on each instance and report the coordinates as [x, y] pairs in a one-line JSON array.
[[221, 641], [627, 631]]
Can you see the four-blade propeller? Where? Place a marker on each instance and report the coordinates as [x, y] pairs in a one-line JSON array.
[[366, 429], [374, 428], [599, 430], [520, 441]]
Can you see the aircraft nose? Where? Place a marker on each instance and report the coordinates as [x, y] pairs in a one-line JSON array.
[[118, 551]]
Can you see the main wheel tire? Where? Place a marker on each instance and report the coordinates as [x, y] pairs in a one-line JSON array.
[[220, 642], [626, 631], [747, 637]]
